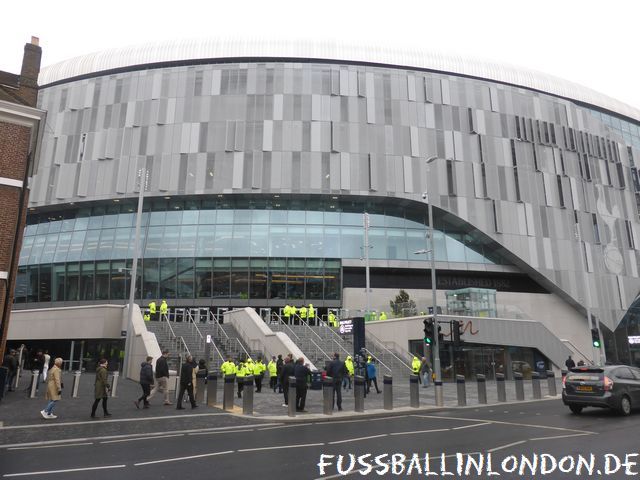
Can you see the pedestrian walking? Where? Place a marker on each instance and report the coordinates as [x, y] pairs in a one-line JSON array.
[[288, 370], [186, 383], [162, 378], [425, 372], [101, 389], [10, 362], [54, 390], [45, 366], [279, 366], [146, 381], [569, 363], [301, 372], [372, 375], [337, 370]]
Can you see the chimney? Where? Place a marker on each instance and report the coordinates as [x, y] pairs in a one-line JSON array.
[[30, 70]]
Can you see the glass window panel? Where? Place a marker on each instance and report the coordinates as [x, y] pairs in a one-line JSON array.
[[239, 278], [205, 242], [54, 227], [351, 242], [119, 276], [260, 216], [314, 279], [351, 219], [332, 242], [378, 243], [25, 251], [315, 218], [170, 241], [31, 230], [397, 244], [258, 278], [90, 245], [185, 278], [33, 285], [296, 244], [126, 220], [58, 282], [332, 281], [188, 237], [207, 217], [174, 217], [241, 240], [63, 248], [76, 245], [203, 277], [87, 274], [225, 216], [45, 283], [72, 282], [127, 278], [43, 228], [154, 244], [242, 216], [49, 250], [95, 222], [123, 243], [277, 278], [158, 218], [109, 221], [296, 217], [331, 218], [21, 285], [259, 240], [150, 278], [416, 240], [278, 241], [455, 248], [81, 223], [473, 255], [223, 240], [36, 250], [295, 278], [314, 242], [105, 246], [221, 278], [278, 217], [167, 278], [190, 217]]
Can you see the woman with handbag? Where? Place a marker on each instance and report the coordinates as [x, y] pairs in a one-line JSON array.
[[101, 389]]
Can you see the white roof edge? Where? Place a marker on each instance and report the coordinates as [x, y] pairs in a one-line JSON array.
[[219, 48]]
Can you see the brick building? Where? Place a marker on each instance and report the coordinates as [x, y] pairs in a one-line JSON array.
[[20, 132]]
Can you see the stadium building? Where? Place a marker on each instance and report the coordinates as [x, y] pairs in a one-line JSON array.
[[261, 158]]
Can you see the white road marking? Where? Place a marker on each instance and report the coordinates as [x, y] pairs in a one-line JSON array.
[[361, 420], [356, 439], [217, 433], [177, 459], [284, 426], [562, 436], [51, 446], [148, 437], [413, 432], [471, 426], [69, 470], [117, 420], [506, 446], [500, 422], [280, 446]]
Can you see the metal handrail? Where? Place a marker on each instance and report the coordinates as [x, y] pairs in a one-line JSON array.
[[378, 359], [242, 347], [168, 324], [219, 353], [380, 344], [576, 350], [184, 344], [194, 326], [281, 322], [337, 342]]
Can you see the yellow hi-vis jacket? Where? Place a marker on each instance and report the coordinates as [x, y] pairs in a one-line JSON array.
[[228, 368], [286, 311], [303, 312], [348, 363], [152, 307], [311, 311], [415, 365], [164, 308], [273, 368]]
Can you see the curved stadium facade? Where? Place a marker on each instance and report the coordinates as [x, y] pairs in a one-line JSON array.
[[262, 158]]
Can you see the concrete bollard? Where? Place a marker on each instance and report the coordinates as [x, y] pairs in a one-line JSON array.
[[414, 398], [247, 395], [176, 390], [114, 384], [387, 392], [502, 392], [517, 377], [212, 389], [76, 384], [482, 389], [200, 387], [17, 380], [34, 383], [462, 390], [291, 397], [227, 395], [327, 396], [551, 383], [358, 391], [535, 385]]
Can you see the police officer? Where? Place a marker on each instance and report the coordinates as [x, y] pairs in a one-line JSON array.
[[228, 367]]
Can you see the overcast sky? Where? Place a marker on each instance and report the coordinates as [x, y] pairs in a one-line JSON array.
[[594, 43]]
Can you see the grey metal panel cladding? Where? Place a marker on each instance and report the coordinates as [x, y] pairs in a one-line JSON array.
[[266, 127]]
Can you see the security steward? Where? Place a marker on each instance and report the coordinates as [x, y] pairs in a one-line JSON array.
[[152, 310], [241, 372], [415, 367], [311, 313], [272, 366], [303, 313], [228, 367], [286, 312], [258, 373]]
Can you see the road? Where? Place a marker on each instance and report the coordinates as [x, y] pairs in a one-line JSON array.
[[254, 449]]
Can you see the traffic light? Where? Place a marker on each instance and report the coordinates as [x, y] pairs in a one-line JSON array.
[[456, 331], [595, 338], [428, 331]]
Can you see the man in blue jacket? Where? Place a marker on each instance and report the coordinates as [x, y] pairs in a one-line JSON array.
[[146, 381]]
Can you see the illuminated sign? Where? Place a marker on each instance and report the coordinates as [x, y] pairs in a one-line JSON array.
[[634, 339], [346, 326]]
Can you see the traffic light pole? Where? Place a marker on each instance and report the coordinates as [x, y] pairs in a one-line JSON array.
[[436, 339]]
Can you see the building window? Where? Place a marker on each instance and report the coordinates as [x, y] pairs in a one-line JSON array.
[[596, 230]]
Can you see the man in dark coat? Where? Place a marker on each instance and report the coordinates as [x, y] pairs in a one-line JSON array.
[[186, 383], [570, 363], [11, 362], [279, 367], [288, 370], [162, 377], [146, 381], [301, 372], [336, 370]]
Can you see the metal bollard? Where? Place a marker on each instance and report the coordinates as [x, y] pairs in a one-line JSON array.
[[114, 384], [551, 383], [535, 385], [200, 387], [34, 383], [18, 374], [517, 377], [358, 391], [327, 396], [414, 399], [462, 390], [212, 389], [291, 396], [387, 392], [502, 393], [482, 389], [227, 395], [76, 384], [247, 396], [439, 393]]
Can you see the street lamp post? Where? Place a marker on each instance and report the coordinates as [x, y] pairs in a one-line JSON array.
[[436, 343]]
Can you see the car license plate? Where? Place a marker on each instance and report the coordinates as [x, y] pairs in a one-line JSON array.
[[582, 388]]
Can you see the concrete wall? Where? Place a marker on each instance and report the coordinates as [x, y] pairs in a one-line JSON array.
[[144, 343]]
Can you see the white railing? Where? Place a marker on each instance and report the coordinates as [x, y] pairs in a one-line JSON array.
[[378, 360], [194, 327], [338, 342]]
